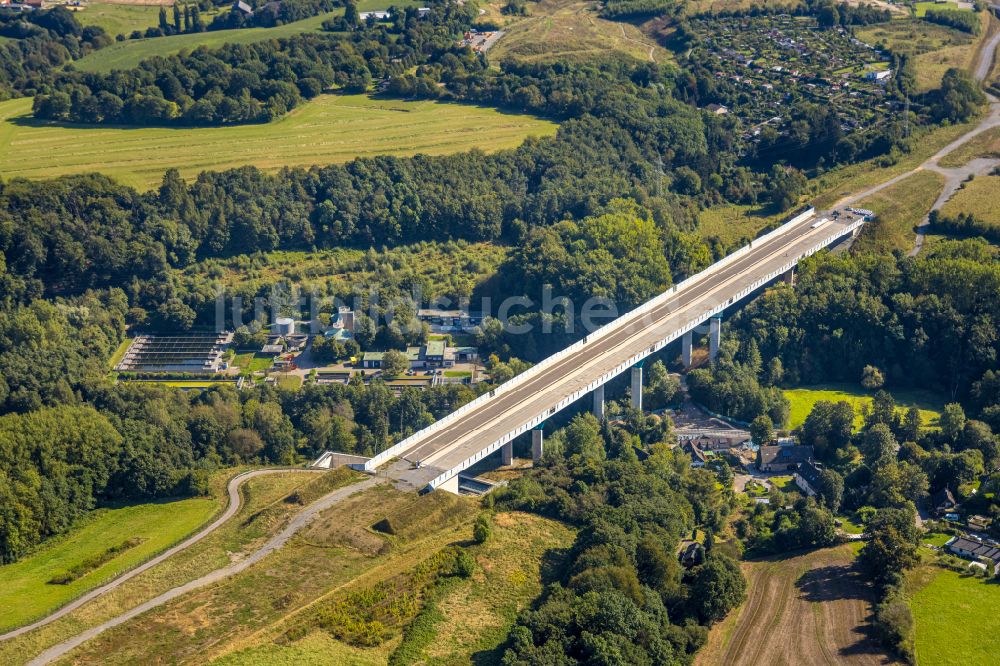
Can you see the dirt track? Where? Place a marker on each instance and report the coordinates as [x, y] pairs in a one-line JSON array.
[[810, 608]]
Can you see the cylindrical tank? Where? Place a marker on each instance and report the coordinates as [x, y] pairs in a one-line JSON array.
[[283, 326]]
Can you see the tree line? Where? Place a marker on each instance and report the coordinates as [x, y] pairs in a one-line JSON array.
[[248, 83]]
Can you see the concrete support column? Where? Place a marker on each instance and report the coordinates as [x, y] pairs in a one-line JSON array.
[[789, 277], [637, 387], [537, 443], [714, 337], [599, 402], [686, 344], [507, 454]]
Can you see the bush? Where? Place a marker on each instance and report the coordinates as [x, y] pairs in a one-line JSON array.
[[465, 564], [483, 528], [893, 623]]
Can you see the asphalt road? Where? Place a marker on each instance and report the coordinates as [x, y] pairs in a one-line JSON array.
[[235, 501], [450, 446]]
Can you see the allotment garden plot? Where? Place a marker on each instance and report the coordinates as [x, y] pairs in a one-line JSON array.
[[766, 68]]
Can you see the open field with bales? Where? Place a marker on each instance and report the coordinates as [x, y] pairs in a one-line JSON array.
[[899, 209], [328, 129], [816, 601], [953, 616], [97, 550], [803, 399]]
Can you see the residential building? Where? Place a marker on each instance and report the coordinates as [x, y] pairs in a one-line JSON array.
[[975, 549], [943, 502], [783, 458], [807, 477]]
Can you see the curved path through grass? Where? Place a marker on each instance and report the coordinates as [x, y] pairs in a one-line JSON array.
[[235, 502], [274, 543]]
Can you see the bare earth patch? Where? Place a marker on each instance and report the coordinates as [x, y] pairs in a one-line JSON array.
[[809, 608]]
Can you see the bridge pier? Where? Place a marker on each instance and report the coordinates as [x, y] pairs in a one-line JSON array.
[[686, 344], [714, 337], [507, 454], [637, 386], [537, 443], [789, 277], [599, 402]]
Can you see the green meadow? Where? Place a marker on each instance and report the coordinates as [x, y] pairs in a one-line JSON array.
[[26, 593], [803, 399], [328, 129]]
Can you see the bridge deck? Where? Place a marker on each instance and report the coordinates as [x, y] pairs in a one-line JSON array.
[[471, 433]]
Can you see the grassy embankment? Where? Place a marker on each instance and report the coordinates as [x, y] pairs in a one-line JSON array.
[[328, 129], [266, 509], [463, 621], [899, 209], [339, 553], [981, 197], [27, 594], [986, 144], [803, 399]]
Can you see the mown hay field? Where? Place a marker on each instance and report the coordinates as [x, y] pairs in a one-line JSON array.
[[329, 129]]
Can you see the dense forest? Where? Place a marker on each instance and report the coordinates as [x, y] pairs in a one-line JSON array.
[[623, 598], [250, 83], [40, 43]]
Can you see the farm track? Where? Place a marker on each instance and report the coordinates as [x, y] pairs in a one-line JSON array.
[[235, 503]]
